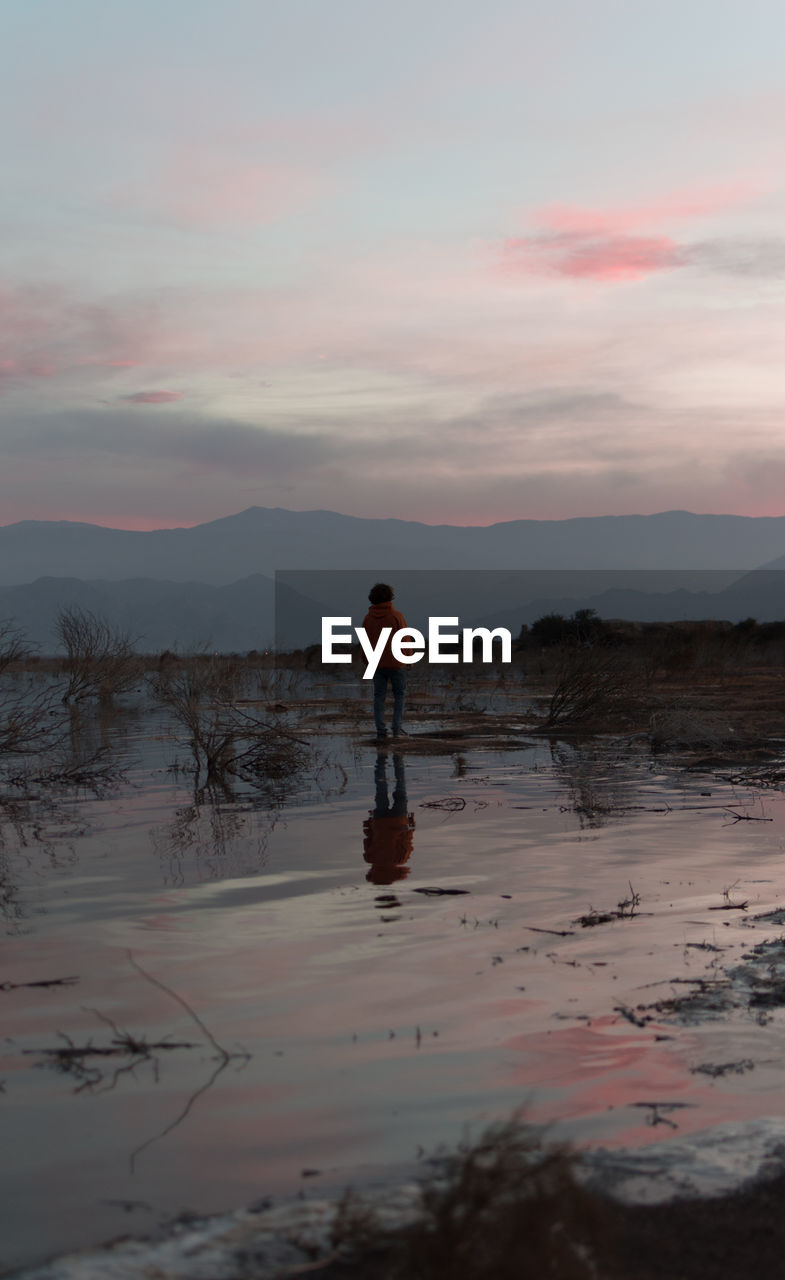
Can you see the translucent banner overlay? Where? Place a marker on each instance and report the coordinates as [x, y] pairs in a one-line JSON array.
[[513, 599]]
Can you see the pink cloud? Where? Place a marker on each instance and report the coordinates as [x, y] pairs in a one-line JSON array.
[[606, 244], [153, 397], [597, 257], [46, 332]]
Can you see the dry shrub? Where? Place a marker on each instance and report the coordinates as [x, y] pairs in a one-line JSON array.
[[28, 721], [100, 661], [41, 742], [594, 686], [199, 692], [504, 1207], [13, 645]]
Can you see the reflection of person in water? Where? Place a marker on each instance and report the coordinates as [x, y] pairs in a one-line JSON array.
[[389, 828]]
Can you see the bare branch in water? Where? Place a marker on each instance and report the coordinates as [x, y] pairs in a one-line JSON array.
[[44, 982], [222, 1053]]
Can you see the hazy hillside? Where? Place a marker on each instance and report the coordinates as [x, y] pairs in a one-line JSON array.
[[496, 597], [157, 615], [242, 615], [262, 540], [211, 586]]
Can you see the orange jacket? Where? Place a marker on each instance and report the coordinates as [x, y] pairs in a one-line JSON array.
[[383, 615]]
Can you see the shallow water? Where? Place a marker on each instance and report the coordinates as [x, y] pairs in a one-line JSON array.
[[366, 1021]]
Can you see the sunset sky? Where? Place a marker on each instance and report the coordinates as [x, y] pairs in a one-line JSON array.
[[440, 260]]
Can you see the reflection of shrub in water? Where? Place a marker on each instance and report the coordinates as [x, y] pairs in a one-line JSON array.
[[29, 724], [213, 838], [35, 834], [505, 1207], [689, 724]]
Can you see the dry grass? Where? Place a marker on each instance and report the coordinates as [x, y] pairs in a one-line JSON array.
[[506, 1207]]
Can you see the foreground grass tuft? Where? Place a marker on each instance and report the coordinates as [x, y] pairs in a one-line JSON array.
[[505, 1206]]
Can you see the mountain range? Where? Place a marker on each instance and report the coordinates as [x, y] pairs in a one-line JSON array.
[[263, 540], [211, 586]]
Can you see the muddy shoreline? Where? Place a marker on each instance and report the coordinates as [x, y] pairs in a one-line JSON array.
[[636, 1220]]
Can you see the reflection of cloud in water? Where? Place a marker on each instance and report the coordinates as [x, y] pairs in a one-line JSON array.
[[213, 839], [584, 1072]]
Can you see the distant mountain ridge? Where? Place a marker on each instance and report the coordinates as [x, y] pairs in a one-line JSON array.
[[186, 616], [261, 540], [211, 587], [200, 617]]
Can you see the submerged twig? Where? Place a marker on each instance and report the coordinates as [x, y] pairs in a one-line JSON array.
[[44, 982], [137, 1151], [224, 1058], [625, 910], [728, 905], [73, 1058], [156, 982], [657, 1108], [743, 817], [450, 804]]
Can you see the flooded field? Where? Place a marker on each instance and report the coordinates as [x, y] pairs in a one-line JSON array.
[[215, 992]]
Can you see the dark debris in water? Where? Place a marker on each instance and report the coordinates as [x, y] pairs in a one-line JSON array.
[[755, 777], [632, 1016], [450, 804], [712, 998], [770, 917], [760, 977], [43, 982], [432, 891], [658, 1111], [757, 984], [624, 910], [129, 1206], [594, 917], [719, 1069], [770, 995]]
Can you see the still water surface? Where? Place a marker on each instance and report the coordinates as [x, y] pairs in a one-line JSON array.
[[364, 1022]]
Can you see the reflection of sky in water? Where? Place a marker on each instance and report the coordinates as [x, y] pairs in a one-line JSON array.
[[377, 1018]]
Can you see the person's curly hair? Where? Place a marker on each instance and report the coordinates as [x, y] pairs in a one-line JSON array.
[[380, 593]]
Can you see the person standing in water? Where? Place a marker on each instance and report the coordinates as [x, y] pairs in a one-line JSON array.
[[390, 670]]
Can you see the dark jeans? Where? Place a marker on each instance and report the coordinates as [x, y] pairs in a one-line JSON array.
[[397, 678]]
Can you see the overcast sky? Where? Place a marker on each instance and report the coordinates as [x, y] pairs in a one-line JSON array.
[[439, 259]]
